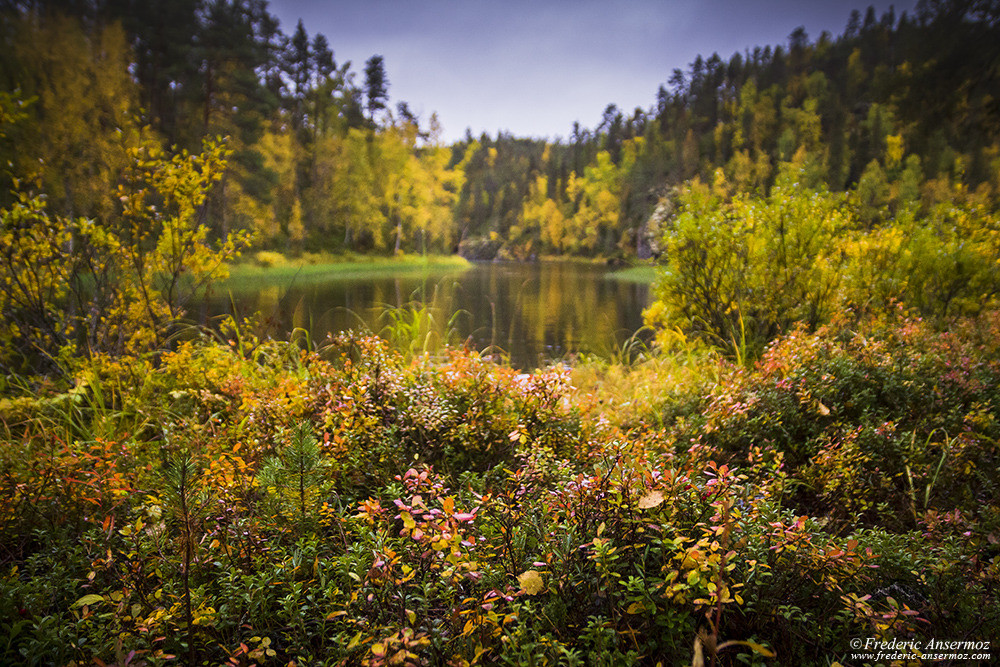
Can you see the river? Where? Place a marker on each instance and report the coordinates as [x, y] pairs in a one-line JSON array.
[[532, 313]]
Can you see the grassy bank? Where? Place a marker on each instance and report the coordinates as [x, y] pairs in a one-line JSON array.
[[271, 267], [643, 274], [274, 268]]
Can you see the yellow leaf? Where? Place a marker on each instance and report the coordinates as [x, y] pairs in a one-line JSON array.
[[636, 608], [650, 500], [823, 410], [531, 582], [767, 653]]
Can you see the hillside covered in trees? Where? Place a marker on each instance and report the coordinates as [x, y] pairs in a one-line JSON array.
[[780, 185], [897, 110]]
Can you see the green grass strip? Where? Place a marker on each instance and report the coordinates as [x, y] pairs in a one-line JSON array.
[[252, 274], [645, 273]]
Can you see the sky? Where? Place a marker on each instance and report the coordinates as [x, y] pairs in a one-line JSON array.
[[534, 67]]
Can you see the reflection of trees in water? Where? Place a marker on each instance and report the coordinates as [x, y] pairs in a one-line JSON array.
[[532, 311]]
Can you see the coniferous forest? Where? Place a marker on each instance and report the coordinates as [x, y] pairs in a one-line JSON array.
[[800, 465]]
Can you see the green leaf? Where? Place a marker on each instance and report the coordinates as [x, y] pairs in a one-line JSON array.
[[757, 648], [93, 598]]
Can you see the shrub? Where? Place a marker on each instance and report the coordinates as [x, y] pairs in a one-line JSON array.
[[357, 505]]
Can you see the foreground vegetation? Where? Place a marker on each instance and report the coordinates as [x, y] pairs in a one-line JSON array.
[[249, 502]]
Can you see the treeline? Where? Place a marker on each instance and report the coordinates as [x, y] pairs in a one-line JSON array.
[[317, 158], [897, 108]]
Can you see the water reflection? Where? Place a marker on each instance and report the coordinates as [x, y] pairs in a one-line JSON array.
[[533, 312]]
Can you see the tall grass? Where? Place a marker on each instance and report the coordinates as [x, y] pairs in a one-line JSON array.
[[639, 381], [418, 328]]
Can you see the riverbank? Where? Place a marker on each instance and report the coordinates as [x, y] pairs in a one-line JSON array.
[[640, 274], [275, 268]]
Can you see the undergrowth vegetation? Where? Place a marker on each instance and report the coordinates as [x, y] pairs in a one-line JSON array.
[[245, 501]]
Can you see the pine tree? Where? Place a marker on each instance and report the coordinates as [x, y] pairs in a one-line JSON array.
[[376, 86]]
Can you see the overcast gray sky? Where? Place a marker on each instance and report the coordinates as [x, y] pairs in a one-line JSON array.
[[533, 67]]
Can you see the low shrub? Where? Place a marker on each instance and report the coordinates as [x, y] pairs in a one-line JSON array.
[[877, 427], [249, 502]]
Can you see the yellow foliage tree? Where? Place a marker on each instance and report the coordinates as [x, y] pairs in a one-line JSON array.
[[80, 126], [544, 216], [598, 193], [76, 286]]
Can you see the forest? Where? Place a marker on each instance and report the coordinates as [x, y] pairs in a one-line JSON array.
[[802, 458], [896, 111]]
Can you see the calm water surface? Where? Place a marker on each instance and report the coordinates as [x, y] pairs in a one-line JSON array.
[[532, 312]]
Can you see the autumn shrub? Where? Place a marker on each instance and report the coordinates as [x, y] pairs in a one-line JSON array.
[[464, 413], [75, 287], [240, 501], [739, 269], [878, 425]]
